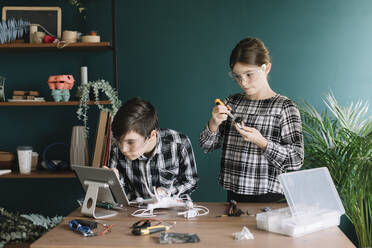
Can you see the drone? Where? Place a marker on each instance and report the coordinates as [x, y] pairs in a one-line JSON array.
[[168, 200]]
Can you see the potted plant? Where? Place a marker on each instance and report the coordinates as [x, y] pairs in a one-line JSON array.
[[341, 140], [17, 229], [96, 87]]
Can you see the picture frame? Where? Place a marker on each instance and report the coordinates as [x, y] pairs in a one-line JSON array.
[[48, 17]]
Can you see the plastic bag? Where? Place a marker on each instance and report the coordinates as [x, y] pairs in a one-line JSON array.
[[177, 238], [244, 234]]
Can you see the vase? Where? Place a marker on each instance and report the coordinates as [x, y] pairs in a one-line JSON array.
[[79, 147]]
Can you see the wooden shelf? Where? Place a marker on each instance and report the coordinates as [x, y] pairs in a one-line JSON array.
[[48, 103], [53, 46], [41, 174]]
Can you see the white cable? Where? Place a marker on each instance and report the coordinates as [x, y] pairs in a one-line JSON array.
[[142, 213], [194, 212], [170, 188], [188, 214], [46, 31], [206, 210], [180, 191], [156, 194]]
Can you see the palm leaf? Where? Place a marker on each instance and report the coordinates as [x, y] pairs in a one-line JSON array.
[[342, 141]]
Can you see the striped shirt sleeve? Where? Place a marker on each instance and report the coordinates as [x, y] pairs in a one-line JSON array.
[[210, 141], [288, 154], [187, 178], [114, 164]]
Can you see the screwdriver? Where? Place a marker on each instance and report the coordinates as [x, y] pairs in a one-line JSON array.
[[236, 120], [150, 230]]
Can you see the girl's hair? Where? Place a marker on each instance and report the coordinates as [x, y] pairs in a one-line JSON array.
[[250, 51]]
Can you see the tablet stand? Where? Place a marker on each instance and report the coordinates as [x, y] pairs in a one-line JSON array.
[[95, 191]]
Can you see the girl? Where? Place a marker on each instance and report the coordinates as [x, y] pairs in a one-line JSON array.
[[269, 140]]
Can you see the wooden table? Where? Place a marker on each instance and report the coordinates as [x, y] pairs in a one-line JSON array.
[[213, 231]]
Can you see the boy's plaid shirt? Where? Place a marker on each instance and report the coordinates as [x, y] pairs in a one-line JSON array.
[[172, 161]]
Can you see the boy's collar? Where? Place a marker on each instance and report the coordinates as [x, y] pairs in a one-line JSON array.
[[156, 149]]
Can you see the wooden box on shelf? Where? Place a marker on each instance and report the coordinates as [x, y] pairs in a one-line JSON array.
[[7, 159]]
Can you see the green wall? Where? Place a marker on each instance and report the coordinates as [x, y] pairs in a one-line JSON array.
[[175, 54]]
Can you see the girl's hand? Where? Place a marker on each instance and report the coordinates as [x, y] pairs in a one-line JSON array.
[[252, 135], [219, 114]]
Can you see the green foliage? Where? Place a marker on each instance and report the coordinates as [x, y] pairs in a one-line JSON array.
[[343, 143], [80, 6], [40, 220], [96, 87], [15, 228]]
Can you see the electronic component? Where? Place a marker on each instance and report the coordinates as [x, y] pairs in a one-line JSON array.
[[267, 209], [91, 224], [233, 210], [83, 230]]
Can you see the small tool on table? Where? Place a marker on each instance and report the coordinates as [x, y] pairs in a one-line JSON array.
[[144, 227], [233, 209], [150, 230], [237, 120]]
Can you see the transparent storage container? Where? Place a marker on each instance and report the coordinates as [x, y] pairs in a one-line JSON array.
[[314, 204]]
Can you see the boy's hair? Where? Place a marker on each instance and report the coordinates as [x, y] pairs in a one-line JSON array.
[[135, 115], [251, 51]]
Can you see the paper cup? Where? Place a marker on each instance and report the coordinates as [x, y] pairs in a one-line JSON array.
[[24, 159]]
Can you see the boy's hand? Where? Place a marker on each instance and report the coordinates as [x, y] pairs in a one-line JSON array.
[[252, 135], [114, 169], [162, 191]]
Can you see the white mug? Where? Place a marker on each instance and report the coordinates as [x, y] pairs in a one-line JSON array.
[[33, 29], [24, 159], [70, 36]]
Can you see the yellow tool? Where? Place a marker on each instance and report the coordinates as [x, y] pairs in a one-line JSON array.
[[150, 230], [236, 120], [219, 102]]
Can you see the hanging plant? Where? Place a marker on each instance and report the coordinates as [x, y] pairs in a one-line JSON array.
[[96, 87], [80, 5]]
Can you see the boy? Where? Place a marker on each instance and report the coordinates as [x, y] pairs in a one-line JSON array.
[[146, 156]]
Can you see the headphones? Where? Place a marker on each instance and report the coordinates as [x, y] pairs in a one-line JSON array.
[[54, 165]]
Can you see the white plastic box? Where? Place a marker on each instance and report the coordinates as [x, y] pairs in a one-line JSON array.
[[314, 204]]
